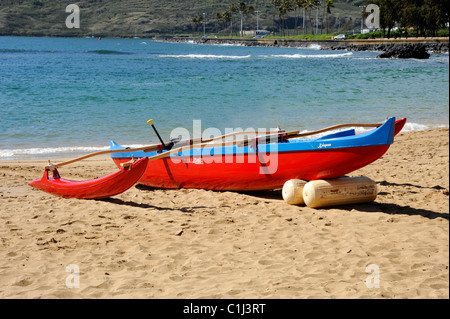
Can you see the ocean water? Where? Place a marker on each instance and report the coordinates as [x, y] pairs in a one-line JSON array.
[[64, 97]]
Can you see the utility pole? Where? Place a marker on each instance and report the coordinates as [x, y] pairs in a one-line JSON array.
[[362, 18], [304, 12], [204, 15], [317, 19], [339, 24], [257, 20]]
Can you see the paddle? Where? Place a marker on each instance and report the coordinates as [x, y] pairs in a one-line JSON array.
[[151, 158], [206, 143], [330, 128], [248, 140], [200, 145], [157, 134], [150, 148]]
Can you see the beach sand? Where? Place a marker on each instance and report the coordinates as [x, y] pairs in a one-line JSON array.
[[148, 243]]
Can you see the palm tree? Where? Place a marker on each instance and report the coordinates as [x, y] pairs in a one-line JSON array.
[[244, 10], [283, 9], [197, 21], [328, 4], [276, 4], [298, 4], [232, 9], [302, 4], [223, 18], [219, 18], [226, 17], [311, 4]]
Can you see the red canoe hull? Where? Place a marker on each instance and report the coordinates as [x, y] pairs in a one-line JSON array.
[[103, 187], [237, 173], [241, 173]]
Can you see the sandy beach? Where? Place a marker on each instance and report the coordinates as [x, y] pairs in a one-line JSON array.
[[148, 243]]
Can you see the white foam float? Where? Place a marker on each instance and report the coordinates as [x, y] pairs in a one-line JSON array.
[[331, 192]]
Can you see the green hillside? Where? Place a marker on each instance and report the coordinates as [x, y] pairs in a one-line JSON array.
[[146, 18]]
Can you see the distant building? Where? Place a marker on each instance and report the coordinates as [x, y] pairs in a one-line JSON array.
[[364, 31], [256, 33]]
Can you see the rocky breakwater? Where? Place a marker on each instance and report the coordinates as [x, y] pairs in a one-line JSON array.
[[405, 51], [391, 48]]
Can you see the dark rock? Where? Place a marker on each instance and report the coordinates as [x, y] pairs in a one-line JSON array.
[[405, 51]]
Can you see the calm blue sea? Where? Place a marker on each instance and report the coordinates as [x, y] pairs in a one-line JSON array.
[[62, 97]]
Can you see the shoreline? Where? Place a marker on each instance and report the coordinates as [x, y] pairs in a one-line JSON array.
[[189, 243], [436, 45], [43, 160], [67, 154], [432, 44]]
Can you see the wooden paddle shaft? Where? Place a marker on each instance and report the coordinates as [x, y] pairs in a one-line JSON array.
[[149, 148], [295, 134], [205, 143], [189, 147], [335, 127]]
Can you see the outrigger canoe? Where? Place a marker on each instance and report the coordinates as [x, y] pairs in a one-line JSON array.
[[103, 187], [264, 166]]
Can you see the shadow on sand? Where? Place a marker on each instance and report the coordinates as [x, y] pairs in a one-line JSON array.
[[374, 207]]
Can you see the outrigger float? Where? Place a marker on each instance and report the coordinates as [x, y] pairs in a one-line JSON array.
[[103, 187], [240, 165]]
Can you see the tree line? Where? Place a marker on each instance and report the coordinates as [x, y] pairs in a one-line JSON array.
[[281, 9], [226, 17], [418, 17], [423, 17], [307, 7]]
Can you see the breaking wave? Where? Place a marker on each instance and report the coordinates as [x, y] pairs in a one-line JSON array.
[[239, 57], [312, 56], [205, 56], [38, 152]]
